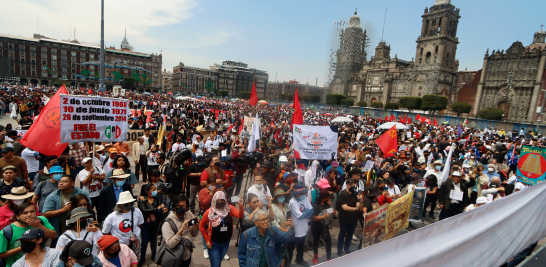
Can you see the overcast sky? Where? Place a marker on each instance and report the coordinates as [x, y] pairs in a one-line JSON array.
[[285, 38]]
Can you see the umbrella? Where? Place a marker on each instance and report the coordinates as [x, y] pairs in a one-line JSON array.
[[341, 119], [463, 141], [146, 93], [272, 104], [291, 105], [183, 97], [388, 125], [199, 96], [226, 96], [264, 103], [170, 93], [234, 99]]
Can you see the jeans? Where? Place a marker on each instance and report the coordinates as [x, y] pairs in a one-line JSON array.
[[237, 181], [194, 189], [149, 235], [346, 231], [430, 200], [298, 244], [204, 242], [324, 233], [217, 253], [522, 255]]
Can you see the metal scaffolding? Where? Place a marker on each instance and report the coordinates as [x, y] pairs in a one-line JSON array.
[[422, 77]]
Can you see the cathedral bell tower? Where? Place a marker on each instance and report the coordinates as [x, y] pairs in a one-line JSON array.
[[438, 40]]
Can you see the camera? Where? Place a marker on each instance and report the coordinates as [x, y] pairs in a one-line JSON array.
[[253, 158], [180, 156], [165, 187], [193, 221]]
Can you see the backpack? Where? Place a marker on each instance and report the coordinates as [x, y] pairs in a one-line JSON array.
[[170, 257], [18, 182], [8, 231]]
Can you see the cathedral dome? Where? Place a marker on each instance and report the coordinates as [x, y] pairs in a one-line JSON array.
[[442, 2], [354, 21]]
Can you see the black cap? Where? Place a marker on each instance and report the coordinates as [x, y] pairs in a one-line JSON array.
[[199, 158], [267, 164], [33, 233], [494, 185], [82, 252], [7, 149]]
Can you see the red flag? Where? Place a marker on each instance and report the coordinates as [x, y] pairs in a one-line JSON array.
[[90, 91], [297, 116], [393, 118], [427, 121], [386, 117], [48, 126], [388, 142], [423, 119], [241, 126], [418, 117], [435, 124], [406, 118], [253, 96], [409, 120], [380, 119]]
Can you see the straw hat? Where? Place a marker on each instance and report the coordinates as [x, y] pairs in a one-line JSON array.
[[125, 197], [99, 148], [18, 193], [119, 173]]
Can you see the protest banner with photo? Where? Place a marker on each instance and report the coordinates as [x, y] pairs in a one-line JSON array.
[[374, 230], [531, 165], [315, 142], [249, 123], [97, 119], [397, 216], [418, 204]]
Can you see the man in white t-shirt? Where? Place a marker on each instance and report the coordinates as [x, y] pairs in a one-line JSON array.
[[259, 189], [119, 225], [199, 146], [151, 158], [178, 145], [112, 153], [31, 159], [91, 178], [301, 215]]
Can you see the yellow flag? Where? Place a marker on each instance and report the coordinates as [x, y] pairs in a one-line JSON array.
[[160, 134]]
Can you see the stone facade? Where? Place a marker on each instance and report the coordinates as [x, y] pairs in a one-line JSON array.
[[274, 89]]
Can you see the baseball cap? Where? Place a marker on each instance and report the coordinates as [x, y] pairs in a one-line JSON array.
[[85, 160], [113, 150], [481, 200], [7, 149], [32, 234], [81, 251]]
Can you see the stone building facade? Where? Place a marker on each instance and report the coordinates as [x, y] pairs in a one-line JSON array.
[[275, 89]]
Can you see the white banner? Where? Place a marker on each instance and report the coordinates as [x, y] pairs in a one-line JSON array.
[[486, 236], [96, 119], [255, 135], [315, 142]]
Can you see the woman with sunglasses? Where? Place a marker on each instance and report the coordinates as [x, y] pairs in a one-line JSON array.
[[121, 162], [253, 205]]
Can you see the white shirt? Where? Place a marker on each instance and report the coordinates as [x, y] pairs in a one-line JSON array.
[[92, 189], [393, 191], [119, 225], [260, 193], [456, 187], [108, 165], [92, 238], [142, 149], [298, 207], [359, 186], [177, 146], [199, 148], [152, 158], [32, 163]]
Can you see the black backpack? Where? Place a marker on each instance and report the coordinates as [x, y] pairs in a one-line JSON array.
[[8, 231]]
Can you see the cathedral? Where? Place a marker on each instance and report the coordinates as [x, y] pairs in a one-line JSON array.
[[432, 71], [512, 80]]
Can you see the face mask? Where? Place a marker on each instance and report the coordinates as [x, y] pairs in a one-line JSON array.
[[301, 197], [120, 183], [114, 254], [210, 187], [352, 189], [289, 181], [128, 207], [280, 199], [28, 246], [18, 202], [180, 211], [216, 164], [259, 186], [491, 169], [438, 167], [200, 164], [382, 188], [154, 193], [220, 204], [75, 264], [57, 176]]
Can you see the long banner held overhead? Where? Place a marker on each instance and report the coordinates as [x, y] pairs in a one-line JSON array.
[[489, 235], [531, 165], [97, 119], [315, 142]]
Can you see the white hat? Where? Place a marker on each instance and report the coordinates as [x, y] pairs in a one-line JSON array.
[[481, 200], [125, 197], [85, 160], [283, 159], [519, 186], [189, 147], [466, 166], [456, 173]]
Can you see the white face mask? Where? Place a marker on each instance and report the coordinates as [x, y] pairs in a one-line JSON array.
[[18, 202], [491, 169], [259, 186]]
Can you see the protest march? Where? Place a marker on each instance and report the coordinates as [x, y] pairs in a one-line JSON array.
[[93, 178]]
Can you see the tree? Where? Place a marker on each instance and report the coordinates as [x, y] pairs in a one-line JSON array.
[[223, 93], [347, 102], [244, 94], [377, 105], [490, 113], [461, 107], [60, 83], [128, 82], [433, 103], [362, 104], [334, 99], [392, 105], [410, 103]]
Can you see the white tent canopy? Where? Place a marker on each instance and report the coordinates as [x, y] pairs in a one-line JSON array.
[[183, 97], [341, 119], [388, 125]]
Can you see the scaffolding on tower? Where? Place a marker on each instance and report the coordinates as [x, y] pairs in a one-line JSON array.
[[421, 78]]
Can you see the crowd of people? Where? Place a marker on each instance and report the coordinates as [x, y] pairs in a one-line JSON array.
[[82, 209]]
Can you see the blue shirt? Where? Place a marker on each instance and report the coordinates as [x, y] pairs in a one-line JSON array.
[[491, 175], [114, 261], [117, 190], [53, 202]]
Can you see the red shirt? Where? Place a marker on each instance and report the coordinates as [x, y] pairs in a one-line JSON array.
[[383, 199], [205, 175]]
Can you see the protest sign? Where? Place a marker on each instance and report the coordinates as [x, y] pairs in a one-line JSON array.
[[417, 204], [531, 165], [249, 123], [397, 216], [374, 230], [315, 142], [97, 119]]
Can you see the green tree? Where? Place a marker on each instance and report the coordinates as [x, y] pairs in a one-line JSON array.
[[433, 103], [490, 113], [128, 82], [362, 104], [392, 106], [410, 103], [244, 94], [314, 98], [377, 105], [461, 107], [60, 82], [347, 102], [223, 93], [334, 99]]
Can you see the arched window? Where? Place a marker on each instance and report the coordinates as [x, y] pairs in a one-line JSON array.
[[436, 50], [428, 57], [447, 58], [422, 50], [420, 60]]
